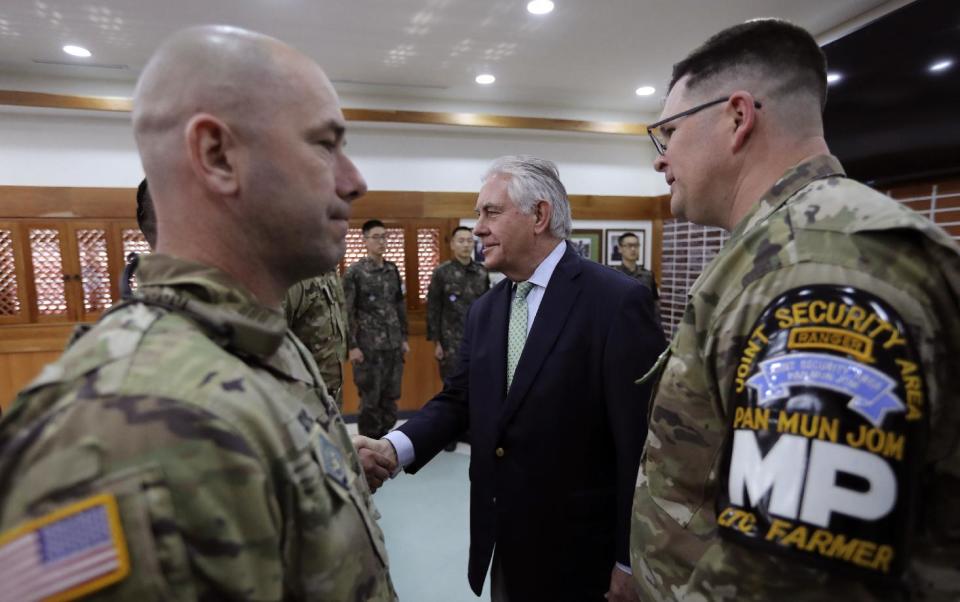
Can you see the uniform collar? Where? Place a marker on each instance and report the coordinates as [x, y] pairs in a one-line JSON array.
[[791, 182], [215, 300]]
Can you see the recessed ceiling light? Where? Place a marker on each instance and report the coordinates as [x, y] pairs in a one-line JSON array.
[[833, 78], [485, 79], [645, 90], [540, 7], [77, 51], [941, 65]]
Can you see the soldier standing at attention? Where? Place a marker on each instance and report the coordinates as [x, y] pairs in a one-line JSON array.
[[803, 439], [317, 313], [629, 245], [454, 286], [377, 332], [185, 448]]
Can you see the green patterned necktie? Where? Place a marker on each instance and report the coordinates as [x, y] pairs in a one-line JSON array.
[[517, 331]]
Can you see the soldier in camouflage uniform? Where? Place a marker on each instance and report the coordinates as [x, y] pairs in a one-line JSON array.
[[803, 439], [316, 312], [455, 285], [377, 332], [186, 448], [629, 245]]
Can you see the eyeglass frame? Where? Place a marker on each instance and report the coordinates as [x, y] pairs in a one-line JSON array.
[[662, 148], [381, 237]]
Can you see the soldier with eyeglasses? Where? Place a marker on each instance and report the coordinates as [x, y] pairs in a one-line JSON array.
[[803, 436]]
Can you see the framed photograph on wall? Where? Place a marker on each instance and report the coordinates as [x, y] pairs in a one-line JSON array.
[[588, 243], [613, 256]]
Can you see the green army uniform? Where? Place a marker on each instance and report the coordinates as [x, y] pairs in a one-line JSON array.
[[316, 312], [377, 325], [802, 441], [194, 417], [645, 277], [642, 274], [453, 288]]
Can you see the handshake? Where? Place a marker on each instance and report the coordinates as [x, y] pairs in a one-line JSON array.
[[377, 458]]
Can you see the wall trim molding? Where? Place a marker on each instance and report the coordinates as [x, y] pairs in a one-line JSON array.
[[116, 104]]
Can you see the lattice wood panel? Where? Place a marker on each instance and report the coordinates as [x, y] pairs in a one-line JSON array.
[[48, 274], [9, 297], [356, 250], [428, 258], [94, 269]]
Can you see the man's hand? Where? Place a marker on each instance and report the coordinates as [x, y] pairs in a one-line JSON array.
[[438, 351], [405, 347], [355, 356], [378, 459], [622, 587]]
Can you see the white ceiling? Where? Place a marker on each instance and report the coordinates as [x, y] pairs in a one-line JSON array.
[[587, 54]]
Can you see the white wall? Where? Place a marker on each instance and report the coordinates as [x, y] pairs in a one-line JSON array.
[[45, 147]]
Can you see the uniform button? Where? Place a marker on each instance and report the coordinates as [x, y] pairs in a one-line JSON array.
[[500, 452]]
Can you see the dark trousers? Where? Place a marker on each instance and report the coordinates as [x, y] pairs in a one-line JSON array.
[[378, 380]]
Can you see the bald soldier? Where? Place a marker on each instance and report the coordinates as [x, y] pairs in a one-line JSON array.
[[803, 440], [186, 448]]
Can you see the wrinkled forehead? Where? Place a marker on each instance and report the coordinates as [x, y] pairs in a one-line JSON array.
[[494, 193]]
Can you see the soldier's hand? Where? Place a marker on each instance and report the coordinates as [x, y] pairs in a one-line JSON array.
[[355, 356], [622, 587], [405, 347], [438, 352], [378, 459]]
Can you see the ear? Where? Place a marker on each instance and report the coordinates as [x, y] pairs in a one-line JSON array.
[[744, 112], [542, 212], [210, 146]]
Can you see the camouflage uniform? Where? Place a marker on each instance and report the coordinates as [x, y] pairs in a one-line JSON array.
[[646, 278], [819, 232], [377, 325], [203, 421], [453, 288], [316, 312]]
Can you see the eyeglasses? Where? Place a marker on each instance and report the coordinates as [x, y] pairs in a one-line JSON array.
[[661, 136], [380, 237]]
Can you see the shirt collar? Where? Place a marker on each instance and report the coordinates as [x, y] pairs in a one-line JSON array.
[[541, 276]]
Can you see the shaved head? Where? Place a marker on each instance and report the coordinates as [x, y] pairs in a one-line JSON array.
[[241, 138]]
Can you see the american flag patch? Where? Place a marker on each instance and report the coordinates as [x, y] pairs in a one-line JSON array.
[[66, 554]]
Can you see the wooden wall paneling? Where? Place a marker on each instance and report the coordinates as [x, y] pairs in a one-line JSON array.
[[18, 369], [486, 120], [61, 202], [20, 273]]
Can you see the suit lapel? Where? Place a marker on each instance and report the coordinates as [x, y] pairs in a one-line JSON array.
[[558, 300], [497, 337]]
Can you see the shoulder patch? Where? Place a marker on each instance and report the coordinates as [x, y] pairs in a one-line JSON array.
[[67, 554], [827, 433]]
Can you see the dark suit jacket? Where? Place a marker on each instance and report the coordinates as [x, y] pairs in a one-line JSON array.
[[553, 462]]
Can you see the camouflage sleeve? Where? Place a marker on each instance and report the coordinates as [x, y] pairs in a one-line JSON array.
[[821, 373], [350, 306], [197, 512], [434, 306], [342, 308], [401, 305], [293, 306]]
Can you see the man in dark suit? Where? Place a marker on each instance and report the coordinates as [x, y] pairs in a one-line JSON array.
[[546, 384]]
